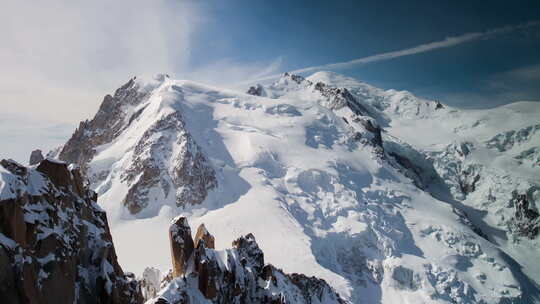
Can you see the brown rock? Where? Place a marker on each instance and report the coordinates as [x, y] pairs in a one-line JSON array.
[[181, 245], [76, 261], [204, 235], [14, 167], [207, 270], [12, 222], [57, 171], [7, 279]]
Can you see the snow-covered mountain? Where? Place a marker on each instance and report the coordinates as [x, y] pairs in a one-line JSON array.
[[388, 197]]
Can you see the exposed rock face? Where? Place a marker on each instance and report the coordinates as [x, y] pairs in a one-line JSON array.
[[161, 154], [55, 243], [371, 126], [36, 157], [257, 90], [340, 97], [461, 176], [190, 178], [181, 245], [104, 127], [205, 236], [527, 216], [236, 275], [509, 196], [364, 128], [507, 140]]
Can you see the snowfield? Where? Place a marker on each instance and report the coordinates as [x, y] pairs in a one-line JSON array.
[[396, 215]]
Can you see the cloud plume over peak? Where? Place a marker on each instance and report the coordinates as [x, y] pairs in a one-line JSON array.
[[445, 43]]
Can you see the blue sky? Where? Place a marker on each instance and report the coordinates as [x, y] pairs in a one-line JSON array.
[[480, 73], [59, 57]]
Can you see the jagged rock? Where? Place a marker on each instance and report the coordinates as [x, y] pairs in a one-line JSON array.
[[339, 98], [55, 243], [184, 173], [248, 248], [57, 171], [405, 278], [296, 78], [526, 214], [438, 105], [236, 275], [181, 245], [207, 269], [36, 157], [108, 121], [257, 90], [507, 140], [14, 167], [372, 126], [8, 280], [203, 235]]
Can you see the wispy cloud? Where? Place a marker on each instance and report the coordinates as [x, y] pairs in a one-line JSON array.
[[427, 47], [59, 57], [55, 54], [228, 73]]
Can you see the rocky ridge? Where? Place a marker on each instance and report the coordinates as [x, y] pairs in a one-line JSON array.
[[163, 156], [202, 274], [55, 243]]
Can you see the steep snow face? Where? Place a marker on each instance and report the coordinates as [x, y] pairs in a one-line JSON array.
[[335, 178], [136, 150], [486, 161]]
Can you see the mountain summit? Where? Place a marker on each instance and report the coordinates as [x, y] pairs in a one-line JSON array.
[[386, 196]]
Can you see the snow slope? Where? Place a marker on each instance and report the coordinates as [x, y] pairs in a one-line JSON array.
[[303, 167], [498, 147]]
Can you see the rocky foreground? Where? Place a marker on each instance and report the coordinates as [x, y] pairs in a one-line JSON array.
[[55, 243], [56, 247], [202, 274]]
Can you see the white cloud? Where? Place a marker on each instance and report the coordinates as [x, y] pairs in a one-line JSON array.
[[232, 74], [59, 57]]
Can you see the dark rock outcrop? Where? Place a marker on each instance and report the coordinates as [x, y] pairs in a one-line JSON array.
[[371, 126], [36, 157], [527, 217], [181, 245], [256, 90], [237, 275], [104, 127], [55, 243]]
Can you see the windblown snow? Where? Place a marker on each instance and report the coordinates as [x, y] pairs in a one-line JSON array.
[[388, 197]]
